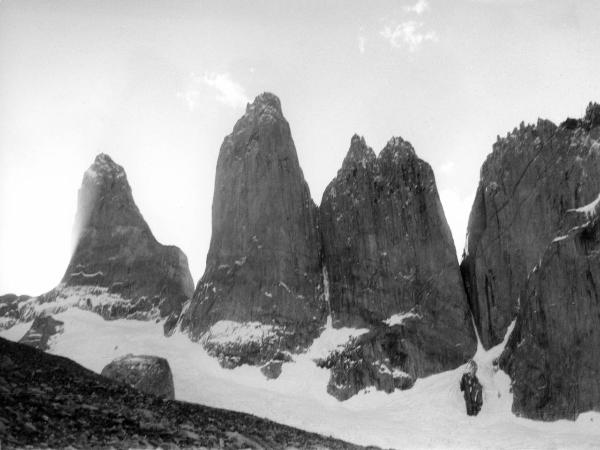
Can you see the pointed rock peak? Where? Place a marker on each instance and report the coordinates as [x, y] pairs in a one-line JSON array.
[[359, 152], [103, 159], [356, 139], [104, 166], [265, 102], [397, 148], [268, 98]]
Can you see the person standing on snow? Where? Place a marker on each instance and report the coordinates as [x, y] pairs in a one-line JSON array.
[[470, 385]]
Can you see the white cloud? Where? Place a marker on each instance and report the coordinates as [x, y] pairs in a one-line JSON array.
[[229, 91], [409, 34], [418, 8], [361, 43], [190, 97], [447, 167]]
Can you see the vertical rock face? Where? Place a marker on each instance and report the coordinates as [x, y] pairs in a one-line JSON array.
[[118, 269], [392, 267], [531, 179], [261, 290], [553, 354]]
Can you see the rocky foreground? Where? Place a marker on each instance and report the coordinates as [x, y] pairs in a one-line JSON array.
[[50, 401]]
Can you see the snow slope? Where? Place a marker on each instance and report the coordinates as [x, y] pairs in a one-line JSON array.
[[430, 415]]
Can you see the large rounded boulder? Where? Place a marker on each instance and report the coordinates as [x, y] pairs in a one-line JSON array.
[[149, 374]]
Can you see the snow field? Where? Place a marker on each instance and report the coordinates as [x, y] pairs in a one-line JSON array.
[[430, 415]]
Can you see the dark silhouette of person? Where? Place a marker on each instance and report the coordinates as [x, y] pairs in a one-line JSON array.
[[472, 389]]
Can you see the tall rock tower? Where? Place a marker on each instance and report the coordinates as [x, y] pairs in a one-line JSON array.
[[392, 269], [118, 269], [261, 293], [553, 353], [528, 183]]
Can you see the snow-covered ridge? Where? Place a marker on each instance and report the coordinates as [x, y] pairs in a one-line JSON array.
[[63, 297]]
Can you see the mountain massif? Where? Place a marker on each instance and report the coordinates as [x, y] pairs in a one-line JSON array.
[[375, 261]]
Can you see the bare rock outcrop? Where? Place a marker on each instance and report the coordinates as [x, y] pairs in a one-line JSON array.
[[42, 330], [261, 291], [391, 266], [533, 177]]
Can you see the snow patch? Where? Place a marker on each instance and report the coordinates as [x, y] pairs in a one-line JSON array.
[[589, 209], [229, 332], [398, 319], [16, 332], [241, 261], [331, 340], [87, 275]]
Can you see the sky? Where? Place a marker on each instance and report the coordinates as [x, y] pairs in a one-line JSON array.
[[158, 85]]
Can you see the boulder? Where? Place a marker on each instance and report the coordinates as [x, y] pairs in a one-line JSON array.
[[272, 369], [149, 374], [261, 292], [533, 177]]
